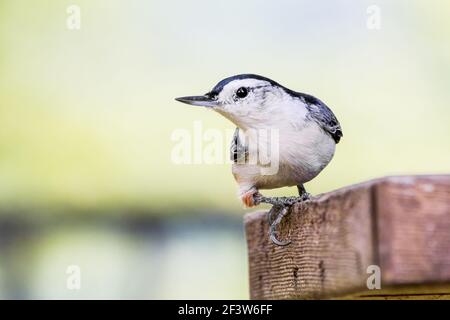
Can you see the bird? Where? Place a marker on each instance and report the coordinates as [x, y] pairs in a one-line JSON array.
[[306, 133]]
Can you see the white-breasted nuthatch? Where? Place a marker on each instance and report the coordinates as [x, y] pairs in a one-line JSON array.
[[307, 131]]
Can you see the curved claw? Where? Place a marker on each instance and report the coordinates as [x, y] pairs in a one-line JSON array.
[[272, 211], [278, 242], [274, 225]]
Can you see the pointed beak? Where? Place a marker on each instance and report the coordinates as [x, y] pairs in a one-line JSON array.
[[203, 101]]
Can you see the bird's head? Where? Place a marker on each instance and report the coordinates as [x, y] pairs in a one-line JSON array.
[[248, 100]]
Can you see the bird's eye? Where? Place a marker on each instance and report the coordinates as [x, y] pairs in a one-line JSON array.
[[241, 92]]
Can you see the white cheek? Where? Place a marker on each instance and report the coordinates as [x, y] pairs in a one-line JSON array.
[[262, 108]]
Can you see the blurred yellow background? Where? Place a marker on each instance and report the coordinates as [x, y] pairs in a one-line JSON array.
[[86, 118]]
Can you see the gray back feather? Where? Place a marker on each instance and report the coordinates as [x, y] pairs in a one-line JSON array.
[[319, 112]]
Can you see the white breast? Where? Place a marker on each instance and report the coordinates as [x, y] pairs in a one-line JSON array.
[[304, 150]]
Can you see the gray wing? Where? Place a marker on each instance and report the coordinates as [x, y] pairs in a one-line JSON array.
[[238, 151], [320, 113]]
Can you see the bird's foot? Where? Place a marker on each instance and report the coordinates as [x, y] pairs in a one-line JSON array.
[[280, 201], [273, 226], [280, 208]]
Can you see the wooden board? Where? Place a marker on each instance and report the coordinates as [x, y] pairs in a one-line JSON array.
[[401, 224]]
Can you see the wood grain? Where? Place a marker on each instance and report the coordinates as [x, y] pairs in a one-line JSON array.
[[401, 224]]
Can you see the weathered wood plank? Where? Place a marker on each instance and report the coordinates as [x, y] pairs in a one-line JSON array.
[[401, 224], [414, 229]]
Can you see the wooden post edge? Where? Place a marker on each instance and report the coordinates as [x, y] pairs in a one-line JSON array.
[[400, 225]]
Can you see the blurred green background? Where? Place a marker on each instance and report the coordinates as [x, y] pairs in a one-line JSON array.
[[86, 119]]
